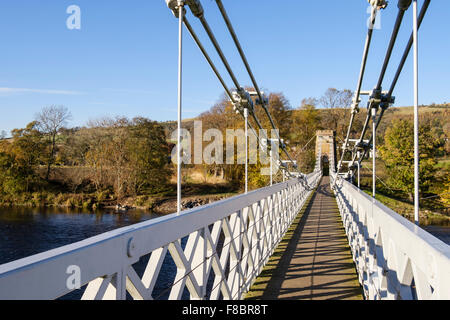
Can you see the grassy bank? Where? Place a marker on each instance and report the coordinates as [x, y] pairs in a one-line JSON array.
[[405, 209], [164, 202], [432, 210]]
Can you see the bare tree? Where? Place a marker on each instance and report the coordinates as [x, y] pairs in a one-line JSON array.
[[336, 101], [50, 120], [309, 102]]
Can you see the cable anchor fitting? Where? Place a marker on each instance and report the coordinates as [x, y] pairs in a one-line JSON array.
[[379, 4], [174, 6]]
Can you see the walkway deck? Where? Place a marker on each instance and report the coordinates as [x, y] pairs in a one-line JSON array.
[[315, 262]]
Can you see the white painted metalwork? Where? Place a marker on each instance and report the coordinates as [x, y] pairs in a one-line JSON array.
[[246, 148], [416, 114], [374, 152], [228, 244], [180, 8], [395, 259]]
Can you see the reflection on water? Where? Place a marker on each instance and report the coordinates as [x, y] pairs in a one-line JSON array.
[[28, 231]]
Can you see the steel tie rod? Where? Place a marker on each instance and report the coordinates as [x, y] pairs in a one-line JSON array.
[[198, 11], [403, 61], [205, 54], [403, 5], [219, 50], [423, 11], [213, 67], [222, 57], [207, 57], [247, 66], [360, 80]]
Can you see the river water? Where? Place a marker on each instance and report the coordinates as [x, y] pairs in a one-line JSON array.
[[28, 231]]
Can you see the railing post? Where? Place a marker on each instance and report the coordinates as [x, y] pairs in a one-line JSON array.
[[271, 167], [374, 151], [246, 148], [180, 98], [416, 115]]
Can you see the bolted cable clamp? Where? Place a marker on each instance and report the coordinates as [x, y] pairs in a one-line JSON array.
[[196, 7], [386, 101], [243, 101], [404, 4], [374, 99], [379, 4]]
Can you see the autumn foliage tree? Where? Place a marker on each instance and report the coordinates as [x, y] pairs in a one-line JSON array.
[[305, 123], [20, 159], [131, 156], [398, 155]]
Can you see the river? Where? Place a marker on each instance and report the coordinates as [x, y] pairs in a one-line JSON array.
[[28, 231]]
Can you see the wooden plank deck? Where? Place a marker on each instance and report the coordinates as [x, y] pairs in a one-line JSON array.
[[314, 261]]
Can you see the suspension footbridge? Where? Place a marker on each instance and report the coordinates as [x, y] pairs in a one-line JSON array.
[[346, 245]]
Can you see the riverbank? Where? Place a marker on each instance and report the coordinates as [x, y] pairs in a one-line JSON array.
[[169, 205], [427, 217], [160, 204]]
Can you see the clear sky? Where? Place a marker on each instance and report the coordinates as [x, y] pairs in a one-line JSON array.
[[123, 60]]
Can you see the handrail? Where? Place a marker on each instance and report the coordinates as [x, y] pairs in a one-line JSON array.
[[395, 258], [240, 232]]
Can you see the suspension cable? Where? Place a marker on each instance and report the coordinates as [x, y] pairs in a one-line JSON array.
[[423, 11], [198, 11], [398, 22], [213, 67], [407, 50], [207, 57], [356, 100], [403, 5], [247, 66]]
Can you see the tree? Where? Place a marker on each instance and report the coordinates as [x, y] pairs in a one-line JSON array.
[[109, 155], [222, 117], [281, 113], [306, 121], [148, 156], [20, 158], [398, 155], [131, 156], [11, 181], [50, 120], [445, 196], [337, 101]]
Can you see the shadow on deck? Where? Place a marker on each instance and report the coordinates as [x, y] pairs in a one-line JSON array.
[[313, 261]]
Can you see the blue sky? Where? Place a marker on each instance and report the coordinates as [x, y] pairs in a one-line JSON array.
[[123, 61]]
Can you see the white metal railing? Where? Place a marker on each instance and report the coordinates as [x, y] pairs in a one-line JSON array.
[[228, 243], [395, 259]]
